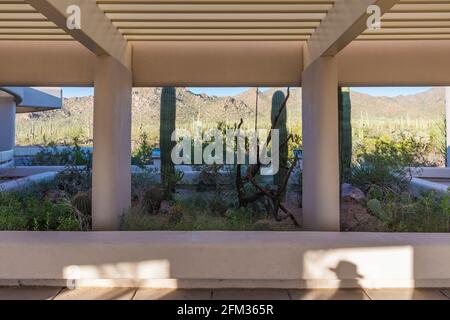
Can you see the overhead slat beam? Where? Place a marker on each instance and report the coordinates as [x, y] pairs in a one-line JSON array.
[[213, 24], [244, 37], [97, 33], [257, 2], [213, 8], [143, 16], [346, 20], [189, 31]]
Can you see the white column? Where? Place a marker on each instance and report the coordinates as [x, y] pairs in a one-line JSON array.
[[7, 123], [7, 128], [111, 181], [321, 148], [447, 123]]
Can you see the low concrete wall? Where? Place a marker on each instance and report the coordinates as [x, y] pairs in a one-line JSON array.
[[6, 165], [418, 186], [25, 182], [431, 172], [6, 159], [24, 171], [420, 183], [225, 259]]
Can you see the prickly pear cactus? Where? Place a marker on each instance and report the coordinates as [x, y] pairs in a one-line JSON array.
[[374, 206]]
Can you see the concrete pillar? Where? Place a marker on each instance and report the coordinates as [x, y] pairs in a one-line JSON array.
[[321, 200], [7, 123], [447, 123], [111, 181]]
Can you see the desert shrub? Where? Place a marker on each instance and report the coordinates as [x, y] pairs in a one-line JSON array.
[[73, 180], [439, 145], [380, 166], [72, 154], [239, 218], [215, 204], [27, 211], [11, 215], [140, 182], [137, 220], [142, 155], [404, 213], [295, 143], [197, 212]]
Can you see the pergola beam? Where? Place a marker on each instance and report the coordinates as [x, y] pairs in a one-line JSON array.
[[97, 33], [345, 21]]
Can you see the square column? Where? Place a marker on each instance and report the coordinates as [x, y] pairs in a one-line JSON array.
[[111, 175], [7, 122], [447, 124], [321, 199]]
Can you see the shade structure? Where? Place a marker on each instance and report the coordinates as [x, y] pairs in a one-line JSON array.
[[291, 20], [311, 43]]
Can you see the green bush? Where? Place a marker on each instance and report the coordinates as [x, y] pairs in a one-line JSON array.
[[197, 212], [430, 213], [380, 167], [72, 155], [142, 156], [72, 180], [25, 211]]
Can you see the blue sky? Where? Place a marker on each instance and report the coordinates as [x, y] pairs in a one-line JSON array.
[[375, 91]]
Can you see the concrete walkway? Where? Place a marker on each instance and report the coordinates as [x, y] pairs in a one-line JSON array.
[[55, 293]]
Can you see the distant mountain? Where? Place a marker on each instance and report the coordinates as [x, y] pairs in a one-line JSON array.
[[426, 105], [78, 112]]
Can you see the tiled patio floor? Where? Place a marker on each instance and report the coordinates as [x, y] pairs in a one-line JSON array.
[[37, 293]]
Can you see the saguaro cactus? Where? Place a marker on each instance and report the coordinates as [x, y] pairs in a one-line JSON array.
[[167, 126], [345, 134], [277, 102]]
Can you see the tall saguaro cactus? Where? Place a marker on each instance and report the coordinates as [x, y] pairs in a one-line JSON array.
[[167, 126], [345, 134], [277, 102]]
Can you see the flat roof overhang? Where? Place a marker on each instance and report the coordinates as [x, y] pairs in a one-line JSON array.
[[362, 63], [33, 99], [213, 43]]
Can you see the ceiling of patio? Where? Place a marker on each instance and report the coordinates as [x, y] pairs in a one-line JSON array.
[[20, 21], [216, 20], [414, 20], [184, 20], [264, 19]]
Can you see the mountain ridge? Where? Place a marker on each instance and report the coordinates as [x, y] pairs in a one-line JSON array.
[[77, 112]]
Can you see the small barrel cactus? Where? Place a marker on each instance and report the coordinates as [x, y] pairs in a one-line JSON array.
[[167, 127], [151, 200], [374, 206], [277, 102], [83, 203]]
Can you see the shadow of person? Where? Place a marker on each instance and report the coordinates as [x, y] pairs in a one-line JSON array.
[[349, 285]]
